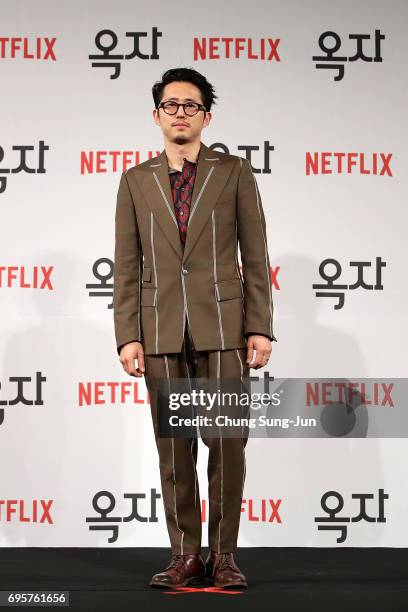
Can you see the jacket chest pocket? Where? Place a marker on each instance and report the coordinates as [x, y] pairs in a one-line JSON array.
[[149, 296], [228, 289]]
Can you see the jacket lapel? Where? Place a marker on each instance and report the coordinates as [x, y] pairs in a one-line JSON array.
[[156, 188], [211, 177]]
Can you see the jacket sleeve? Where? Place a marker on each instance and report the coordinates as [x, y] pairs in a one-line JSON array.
[[126, 269], [251, 227], [257, 334]]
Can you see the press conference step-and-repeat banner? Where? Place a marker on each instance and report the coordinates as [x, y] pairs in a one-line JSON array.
[[314, 94]]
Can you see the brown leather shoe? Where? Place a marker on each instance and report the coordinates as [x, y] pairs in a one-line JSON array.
[[222, 569], [183, 570]]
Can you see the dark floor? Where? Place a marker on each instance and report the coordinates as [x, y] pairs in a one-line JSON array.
[[315, 579]]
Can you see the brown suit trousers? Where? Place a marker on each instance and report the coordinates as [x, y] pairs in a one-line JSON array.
[[178, 456]]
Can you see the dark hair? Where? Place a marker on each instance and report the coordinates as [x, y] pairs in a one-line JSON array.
[[185, 74]]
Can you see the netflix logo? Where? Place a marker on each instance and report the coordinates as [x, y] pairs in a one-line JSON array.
[[26, 277], [105, 393], [264, 510], [348, 163], [255, 511], [22, 511], [101, 162], [28, 48], [230, 47], [369, 394]]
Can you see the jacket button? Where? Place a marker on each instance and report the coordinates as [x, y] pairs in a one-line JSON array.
[[184, 270]]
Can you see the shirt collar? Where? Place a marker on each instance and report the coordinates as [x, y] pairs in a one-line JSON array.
[[172, 170]]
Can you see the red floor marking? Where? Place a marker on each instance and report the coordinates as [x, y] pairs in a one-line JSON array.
[[213, 589]]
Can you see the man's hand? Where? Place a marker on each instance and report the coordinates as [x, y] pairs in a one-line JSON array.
[[263, 348], [128, 354]]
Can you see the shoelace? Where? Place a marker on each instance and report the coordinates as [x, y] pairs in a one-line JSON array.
[[175, 561], [225, 560]]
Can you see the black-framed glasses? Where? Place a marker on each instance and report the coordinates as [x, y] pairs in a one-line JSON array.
[[190, 108]]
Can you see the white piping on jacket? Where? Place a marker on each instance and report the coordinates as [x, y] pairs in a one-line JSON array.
[[222, 462], [174, 467], [155, 282], [215, 280], [165, 200]]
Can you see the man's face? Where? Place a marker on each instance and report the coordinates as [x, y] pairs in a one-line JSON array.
[[181, 91]]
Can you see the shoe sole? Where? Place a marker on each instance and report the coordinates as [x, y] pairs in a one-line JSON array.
[[173, 586], [232, 585]]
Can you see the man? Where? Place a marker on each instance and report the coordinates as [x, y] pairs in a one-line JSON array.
[[182, 308]]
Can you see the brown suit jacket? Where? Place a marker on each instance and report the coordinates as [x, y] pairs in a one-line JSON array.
[[157, 286]]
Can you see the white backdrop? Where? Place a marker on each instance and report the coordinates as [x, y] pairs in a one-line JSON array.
[[63, 446]]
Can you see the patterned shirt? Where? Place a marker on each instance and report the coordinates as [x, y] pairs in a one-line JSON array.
[[182, 183]]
